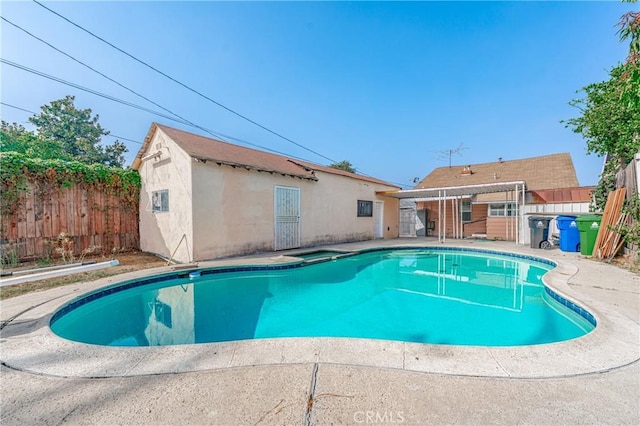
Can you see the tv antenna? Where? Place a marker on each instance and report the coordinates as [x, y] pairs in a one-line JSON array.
[[448, 153]]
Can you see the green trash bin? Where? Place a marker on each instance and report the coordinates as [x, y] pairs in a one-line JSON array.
[[588, 225]]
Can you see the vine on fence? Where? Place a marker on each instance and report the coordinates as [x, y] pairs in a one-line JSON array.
[[16, 170], [20, 174]]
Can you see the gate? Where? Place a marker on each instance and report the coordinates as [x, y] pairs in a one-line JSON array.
[[287, 218], [407, 223]]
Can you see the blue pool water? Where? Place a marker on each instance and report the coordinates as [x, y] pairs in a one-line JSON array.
[[426, 296]]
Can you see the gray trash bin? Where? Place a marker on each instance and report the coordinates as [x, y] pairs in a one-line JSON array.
[[539, 226]]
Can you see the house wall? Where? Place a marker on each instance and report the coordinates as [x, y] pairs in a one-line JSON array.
[[501, 228], [329, 211], [161, 232], [233, 210], [476, 226]]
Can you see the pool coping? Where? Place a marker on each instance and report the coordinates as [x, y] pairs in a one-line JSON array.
[[613, 344]]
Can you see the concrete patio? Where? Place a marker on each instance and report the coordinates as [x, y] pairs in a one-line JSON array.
[[591, 380]]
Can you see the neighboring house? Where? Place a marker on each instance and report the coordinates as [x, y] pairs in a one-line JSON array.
[[204, 199], [492, 199]]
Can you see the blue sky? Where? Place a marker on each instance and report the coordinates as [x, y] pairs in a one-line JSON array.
[[387, 86]]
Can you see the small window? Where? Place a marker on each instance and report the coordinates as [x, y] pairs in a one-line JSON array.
[[465, 211], [503, 210], [365, 208], [160, 201], [496, 210]]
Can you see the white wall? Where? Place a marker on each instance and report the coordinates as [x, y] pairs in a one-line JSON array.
[[220, 211], [161, 232], [550, 210], [234, 210]]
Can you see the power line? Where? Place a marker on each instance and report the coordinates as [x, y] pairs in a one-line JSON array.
[[77, 86], [216, 134], [140, 143], [184, 85], [185, 121], [33, 112], [97, 72], [182, 119], [15, 107]]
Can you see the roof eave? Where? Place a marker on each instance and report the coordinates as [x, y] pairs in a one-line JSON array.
[[466, 190], [258, 169]]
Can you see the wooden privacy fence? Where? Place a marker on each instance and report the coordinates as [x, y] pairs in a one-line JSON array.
[[77, 219]]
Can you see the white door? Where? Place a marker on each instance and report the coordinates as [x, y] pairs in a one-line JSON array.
[[378, 219], [287, 218]]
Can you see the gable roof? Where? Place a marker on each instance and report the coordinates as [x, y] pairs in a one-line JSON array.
[[216, 151], [545, 172]]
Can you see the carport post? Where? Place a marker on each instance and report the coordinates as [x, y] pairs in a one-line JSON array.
[[444, 222]]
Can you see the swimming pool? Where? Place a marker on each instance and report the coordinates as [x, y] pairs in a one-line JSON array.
[[442, 296]]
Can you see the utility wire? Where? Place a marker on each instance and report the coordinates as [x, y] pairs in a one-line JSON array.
[[77, 86], [191, 90], [140, 143], [218, 135], [181, 119], [98, 72], [15, 107], [34, 113], [184, 85]]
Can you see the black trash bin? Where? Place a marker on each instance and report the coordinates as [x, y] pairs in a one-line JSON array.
[[539, 226]]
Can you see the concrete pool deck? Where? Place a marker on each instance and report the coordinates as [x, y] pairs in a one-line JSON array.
[[593, 379]]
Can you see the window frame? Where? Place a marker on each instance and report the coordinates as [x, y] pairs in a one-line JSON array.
[[163, 201], [463, 210], [365, 208], [502, 209]]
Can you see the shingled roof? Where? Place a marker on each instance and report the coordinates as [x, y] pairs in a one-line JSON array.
[[216, 151], [545, 172]]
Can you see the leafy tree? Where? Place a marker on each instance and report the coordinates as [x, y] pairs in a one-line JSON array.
[[609, 125], [77, 133], [14, 137], [343, 165], [610, 112], [630, 30]]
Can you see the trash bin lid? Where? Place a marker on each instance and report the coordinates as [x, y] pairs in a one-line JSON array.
[[566, 222], [589, 218], [540, 218], [589, 222]]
